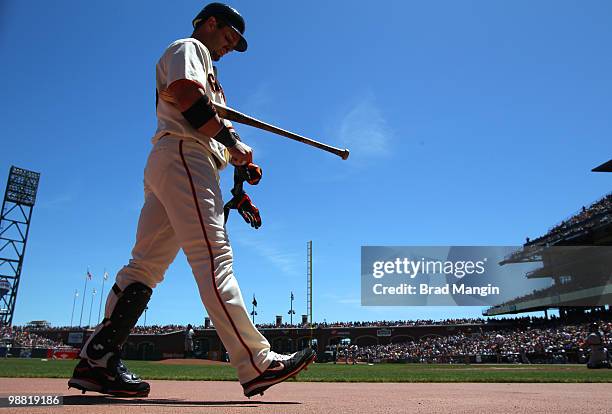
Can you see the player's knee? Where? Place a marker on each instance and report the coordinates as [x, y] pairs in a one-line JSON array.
[[139, 272]]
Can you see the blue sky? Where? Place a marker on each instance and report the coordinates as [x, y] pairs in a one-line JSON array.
[[469, 123]]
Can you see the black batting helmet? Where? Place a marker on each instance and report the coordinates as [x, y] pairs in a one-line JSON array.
[[229, 16]]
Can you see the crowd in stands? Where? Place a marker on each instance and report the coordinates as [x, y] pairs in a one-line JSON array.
[[597, 213], [595, 314], [541, 293], [568, 318], [513, 345], [362, 324], [164, 329], [158, 329], [171, 328], [559, 289], [513, 338], [18, 336], [32, 328]]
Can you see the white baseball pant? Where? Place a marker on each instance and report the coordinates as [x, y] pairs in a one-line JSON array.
[[184, 209]]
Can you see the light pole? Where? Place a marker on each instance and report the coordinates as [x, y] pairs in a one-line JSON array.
[[102, 294], [93, 294], [254, 312], [87, 277], [76, 294], [291, 311]]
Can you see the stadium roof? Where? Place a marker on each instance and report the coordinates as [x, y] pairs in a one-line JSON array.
[[605, 167]]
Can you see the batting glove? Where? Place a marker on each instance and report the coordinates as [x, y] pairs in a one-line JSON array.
[[249, 212], [251, 173]]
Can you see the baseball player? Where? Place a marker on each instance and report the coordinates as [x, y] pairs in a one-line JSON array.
[[599, 354], [183, 209], [189, 333]]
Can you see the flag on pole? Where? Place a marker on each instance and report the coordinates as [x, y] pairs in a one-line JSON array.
[[89, 275], [254, 301], [105, 275], [93, 292], [291, 295]]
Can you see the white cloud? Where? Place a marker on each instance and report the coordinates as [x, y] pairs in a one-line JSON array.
[[257, 105], [350, 301], [288, 263], [258, 101], [344, 300], [365, 132], [56, 202]]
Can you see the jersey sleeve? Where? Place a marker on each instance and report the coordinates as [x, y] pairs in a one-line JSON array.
[[184, 61]]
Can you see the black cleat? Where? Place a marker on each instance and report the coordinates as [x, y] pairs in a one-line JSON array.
[[115, 380], [279, 370]]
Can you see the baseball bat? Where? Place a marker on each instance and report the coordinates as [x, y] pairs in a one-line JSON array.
[[233, 115]]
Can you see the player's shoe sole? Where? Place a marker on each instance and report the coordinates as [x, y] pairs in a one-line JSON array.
[[84, 385], [86, 378], [281, 371]]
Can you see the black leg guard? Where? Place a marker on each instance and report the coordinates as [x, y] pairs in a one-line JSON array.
[[114, 330]]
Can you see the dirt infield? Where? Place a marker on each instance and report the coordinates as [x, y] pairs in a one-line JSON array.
[[301, 397]]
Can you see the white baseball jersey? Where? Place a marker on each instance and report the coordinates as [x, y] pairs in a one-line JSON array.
[[598, 352], [187, 59]]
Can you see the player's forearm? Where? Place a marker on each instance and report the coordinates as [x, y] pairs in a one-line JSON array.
[[185, 95]]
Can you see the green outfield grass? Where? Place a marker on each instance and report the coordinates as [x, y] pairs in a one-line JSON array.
[[35, 368]]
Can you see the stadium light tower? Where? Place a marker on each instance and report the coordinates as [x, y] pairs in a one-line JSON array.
[[19, 199], [309, 282]]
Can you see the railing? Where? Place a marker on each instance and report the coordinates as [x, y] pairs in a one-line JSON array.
[[580, 211]]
